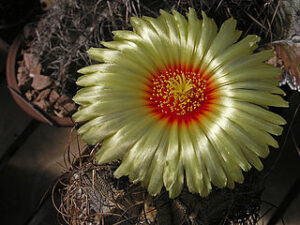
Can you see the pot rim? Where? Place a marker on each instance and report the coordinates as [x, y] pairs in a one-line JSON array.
[[22, 102]]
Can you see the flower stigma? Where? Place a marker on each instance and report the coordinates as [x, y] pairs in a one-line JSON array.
[[178, 94]]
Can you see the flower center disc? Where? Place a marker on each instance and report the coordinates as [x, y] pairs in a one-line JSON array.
[[179, 95]]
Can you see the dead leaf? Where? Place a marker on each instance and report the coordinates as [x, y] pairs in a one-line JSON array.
[[41, 82], [290, 55], [36, 70], [30, 60], [43, 95]]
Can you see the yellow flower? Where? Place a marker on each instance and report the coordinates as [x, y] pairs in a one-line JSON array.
[[177, 100]]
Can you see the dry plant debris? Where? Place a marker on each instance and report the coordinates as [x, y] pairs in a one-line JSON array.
[[91, 195], [40, 90], [287, 57]]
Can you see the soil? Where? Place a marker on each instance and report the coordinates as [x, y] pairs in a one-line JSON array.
[[91, 195], [40, 89]]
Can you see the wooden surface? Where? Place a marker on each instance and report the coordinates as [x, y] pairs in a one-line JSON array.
[[31, 159], [31, 172], [286, 170], [13, 120]]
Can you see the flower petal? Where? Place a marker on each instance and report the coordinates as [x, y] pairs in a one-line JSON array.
[[208, 34], [257, 97], [209, 157], [189, 160], [256, 85], [103, 55], [155, 172], [94, 68], [246, 141], [253, 110], [244, 47], [144, 157], [145, 29], [105, 107], [216, 136], [225, 38], [203, 185], [173, 175], [102, 127], [117, 145]]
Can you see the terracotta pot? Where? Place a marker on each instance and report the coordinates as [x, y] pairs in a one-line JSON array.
[[24, 104]]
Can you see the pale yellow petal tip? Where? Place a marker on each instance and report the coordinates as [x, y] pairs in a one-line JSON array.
[[95, 54], [282, 121], [260, 168], [88, 69], [153, 191], [91, 51], [276, 145], [82, 70], [78, 83], [77, 115], [254, 41], [104, 42], [174, 12], [118, 174], [204, 16], [135, 21], [285, 104], [174, 194], [163, 12], [100, 159], [74, 99], [90, 140]]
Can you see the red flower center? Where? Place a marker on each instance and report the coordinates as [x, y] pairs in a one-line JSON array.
[[179, 95]]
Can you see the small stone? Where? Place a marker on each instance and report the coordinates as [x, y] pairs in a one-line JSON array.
[[29, 95], [42, 104], [53, 96], [69, 107], [43, 95], [40, 82], [63, 99], [65, 109]]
